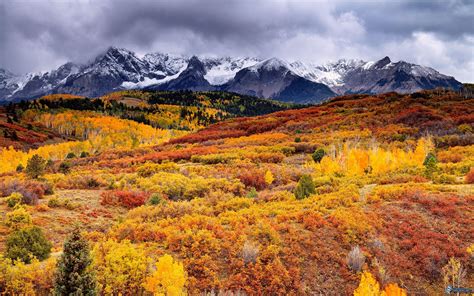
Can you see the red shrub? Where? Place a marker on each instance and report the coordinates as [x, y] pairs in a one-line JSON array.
[[253, 178], [417, 115], [128, 199], [470, 177], [465, 119]]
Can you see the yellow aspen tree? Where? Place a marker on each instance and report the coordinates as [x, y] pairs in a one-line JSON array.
[[368, 286], [168, 279], [121, 267], [269, 177], [422, 148], [328, 166]]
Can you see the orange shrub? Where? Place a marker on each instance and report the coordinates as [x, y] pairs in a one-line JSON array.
[[449, 156], [470, 177], [268, 157]]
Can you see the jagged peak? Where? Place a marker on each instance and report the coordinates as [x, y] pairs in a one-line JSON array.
[[121, 50], [342, 64], [196, 64], [112, 53], [271, 64], [382, 63], [194, 59]]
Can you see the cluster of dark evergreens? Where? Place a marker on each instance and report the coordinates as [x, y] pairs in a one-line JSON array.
[[237, 104]]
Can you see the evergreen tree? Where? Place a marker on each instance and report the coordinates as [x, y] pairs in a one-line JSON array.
[[430, 164], [27, 242], [318, 155], [74, 275], [20, 168], [35, 166], [305, 187]]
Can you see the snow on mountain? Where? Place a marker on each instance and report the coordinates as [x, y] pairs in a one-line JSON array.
[[331, 74], [166, 64], [222, 70], [367, 65], [385, 76], [272, 64], [11, 84], [152, 81], [423, 71], [119, 68], [118, 62], [315, 73]]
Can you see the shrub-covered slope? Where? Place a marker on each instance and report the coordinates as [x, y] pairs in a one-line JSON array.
[[360, 193]]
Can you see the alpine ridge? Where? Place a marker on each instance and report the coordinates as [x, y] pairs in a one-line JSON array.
[[297, 82]]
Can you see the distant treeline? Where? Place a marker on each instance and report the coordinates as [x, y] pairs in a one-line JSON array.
[[193, 106]]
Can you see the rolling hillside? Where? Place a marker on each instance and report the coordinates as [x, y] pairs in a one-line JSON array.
[[320, 200]]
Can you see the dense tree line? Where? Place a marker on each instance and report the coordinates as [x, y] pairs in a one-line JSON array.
[[195, 107]]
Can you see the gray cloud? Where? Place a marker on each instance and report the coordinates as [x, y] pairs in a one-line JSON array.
[[40, 35]]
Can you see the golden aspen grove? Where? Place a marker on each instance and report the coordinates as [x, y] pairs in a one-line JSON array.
[[360, 195]]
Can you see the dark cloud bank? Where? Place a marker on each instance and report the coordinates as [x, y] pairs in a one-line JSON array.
[[39, 35]]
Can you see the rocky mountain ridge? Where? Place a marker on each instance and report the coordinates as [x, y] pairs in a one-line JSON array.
[[274, 78]]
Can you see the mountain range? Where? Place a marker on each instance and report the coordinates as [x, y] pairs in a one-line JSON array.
[[273, 78]]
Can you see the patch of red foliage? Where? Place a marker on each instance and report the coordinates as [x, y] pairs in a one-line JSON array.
[[427, 112], [253, 178], [470, 177], [422, 231], [465, 119], [417, 115], [127, 199]]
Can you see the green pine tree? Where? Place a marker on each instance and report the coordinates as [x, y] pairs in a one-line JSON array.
[[431, 165], [35, 166], [26, 242], [318, 155], [74, 275], [305, 187]]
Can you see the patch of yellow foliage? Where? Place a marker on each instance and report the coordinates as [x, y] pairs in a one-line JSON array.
[[369, 286], [168, 279]]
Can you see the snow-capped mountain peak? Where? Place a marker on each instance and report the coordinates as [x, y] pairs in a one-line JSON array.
[[272, 64], [119, 68], [330, 74], [222, 70], [165, 64], [120, 62]]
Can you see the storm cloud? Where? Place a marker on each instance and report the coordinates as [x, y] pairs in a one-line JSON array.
[[40, 35]]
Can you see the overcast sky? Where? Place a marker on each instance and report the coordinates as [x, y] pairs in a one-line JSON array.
[[38, 35]]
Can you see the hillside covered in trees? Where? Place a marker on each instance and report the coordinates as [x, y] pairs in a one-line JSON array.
[[361, 195], [72, 124]]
